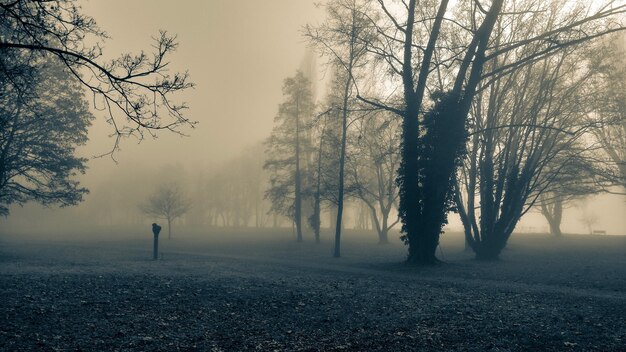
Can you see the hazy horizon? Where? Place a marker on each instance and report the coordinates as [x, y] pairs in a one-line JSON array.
[[238, 67]]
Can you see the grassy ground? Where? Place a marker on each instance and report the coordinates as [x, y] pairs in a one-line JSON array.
[[261, 291]]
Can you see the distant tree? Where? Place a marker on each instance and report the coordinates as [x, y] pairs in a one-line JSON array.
[[315, 219], [609, 107], [236, 189], [324, 158], [573, 177], [373, 169], [286, 149], [253, 182], [328, 128], [44, 117], [589, 219], [198, 215], [328, 134], [169, 203], [603, 165], [134, 90], [551, 206], [340, 38]]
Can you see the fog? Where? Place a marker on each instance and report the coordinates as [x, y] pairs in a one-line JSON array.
[[238, 67], [299, 175]]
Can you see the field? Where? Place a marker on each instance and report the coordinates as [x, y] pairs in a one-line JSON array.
[[262, 291]]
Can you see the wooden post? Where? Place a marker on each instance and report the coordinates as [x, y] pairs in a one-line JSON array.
[[155, 250], [156, 229]]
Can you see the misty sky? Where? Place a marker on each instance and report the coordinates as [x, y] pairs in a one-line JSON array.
[[237, 52]]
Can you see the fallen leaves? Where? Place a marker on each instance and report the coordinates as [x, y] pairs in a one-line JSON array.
[[274, 308]]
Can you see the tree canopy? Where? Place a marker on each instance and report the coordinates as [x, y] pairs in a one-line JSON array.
[[44, 117]]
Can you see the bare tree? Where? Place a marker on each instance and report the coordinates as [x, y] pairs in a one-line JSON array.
[[573, 173], [168, 202], [134, 90], [588, 218], [609, 111], [528, 139], [395, 46], [420, 50], [325, 160], [340, 38], [315, 219], [373, 169], [552, 210]]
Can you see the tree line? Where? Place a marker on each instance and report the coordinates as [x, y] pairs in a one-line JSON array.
[[484, 110]]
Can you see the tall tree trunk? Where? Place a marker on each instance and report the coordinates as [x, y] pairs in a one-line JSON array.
[[410, 210], [155, 247], [380, 229], [492, 244], [445, 139], [298, 182], [316, 221], [490, 248], [344, 133], [558, 216], [169, 228], [554, 215], [468, 238], [316, 217], [383, 237], [408, 176], [555, 229], [342, 159]]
